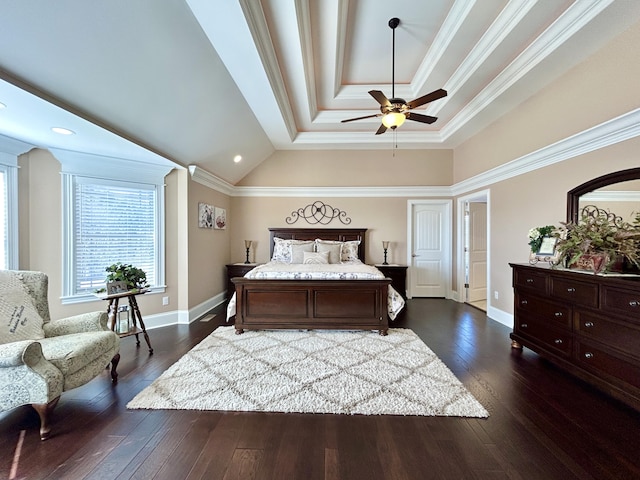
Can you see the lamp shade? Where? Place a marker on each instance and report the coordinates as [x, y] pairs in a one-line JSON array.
[[393, 119]]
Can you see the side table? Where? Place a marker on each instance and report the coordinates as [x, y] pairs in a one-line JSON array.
[[237, 270], [398, 276], [137, 324]]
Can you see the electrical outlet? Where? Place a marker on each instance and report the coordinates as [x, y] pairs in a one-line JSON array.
[[495, 295], [165, 300]]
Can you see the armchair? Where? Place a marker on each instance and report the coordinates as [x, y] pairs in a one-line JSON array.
[[40, 358]]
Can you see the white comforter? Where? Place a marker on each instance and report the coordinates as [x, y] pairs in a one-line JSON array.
[[334, 271]]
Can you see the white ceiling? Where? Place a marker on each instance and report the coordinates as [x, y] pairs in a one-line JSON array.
[[198, 81]]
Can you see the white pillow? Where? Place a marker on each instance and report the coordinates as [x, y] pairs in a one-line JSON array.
[[332, 249], [20, 319], [282, 249], [316, 258], [298, 251], [349, 251]]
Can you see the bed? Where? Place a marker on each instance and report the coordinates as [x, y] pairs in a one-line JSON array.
[[314, 303]]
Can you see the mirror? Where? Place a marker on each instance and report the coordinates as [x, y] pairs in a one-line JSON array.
[[618, 192]]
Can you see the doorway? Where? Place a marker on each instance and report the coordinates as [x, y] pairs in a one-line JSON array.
[[473, 271]]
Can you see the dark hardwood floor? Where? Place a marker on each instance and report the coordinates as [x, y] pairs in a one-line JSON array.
[[543, 423]]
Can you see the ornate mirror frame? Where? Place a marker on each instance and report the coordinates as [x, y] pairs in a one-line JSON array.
[[573, 196]]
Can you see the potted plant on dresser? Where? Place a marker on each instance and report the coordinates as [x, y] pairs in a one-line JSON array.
[[600, 241]]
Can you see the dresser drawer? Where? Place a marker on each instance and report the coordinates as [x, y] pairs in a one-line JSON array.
[[531, 280], [539, 332], [616, 299], [593, 358], [583, 293], [620, 335], [543, 309]]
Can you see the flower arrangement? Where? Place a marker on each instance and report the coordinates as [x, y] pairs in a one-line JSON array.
[[537, 234], [135, 278]]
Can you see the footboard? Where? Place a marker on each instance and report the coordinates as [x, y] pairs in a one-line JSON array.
[[312, 304]]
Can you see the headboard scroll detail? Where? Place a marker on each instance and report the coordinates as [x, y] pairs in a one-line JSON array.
[[318, 212]]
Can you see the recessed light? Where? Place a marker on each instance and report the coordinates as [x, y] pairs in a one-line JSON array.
[[63, 131], [237, 158]]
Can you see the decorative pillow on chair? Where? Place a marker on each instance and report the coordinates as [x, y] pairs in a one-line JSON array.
[[298, 251], [19, 319], [316, 258]]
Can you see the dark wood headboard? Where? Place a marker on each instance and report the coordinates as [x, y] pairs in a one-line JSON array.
[[340, 234]]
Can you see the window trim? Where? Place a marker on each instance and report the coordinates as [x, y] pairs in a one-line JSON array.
[[11, 178], [75, 164]]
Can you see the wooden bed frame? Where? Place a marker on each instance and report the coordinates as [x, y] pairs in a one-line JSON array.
[[313, 304]]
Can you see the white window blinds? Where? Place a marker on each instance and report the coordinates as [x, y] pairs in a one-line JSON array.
[[4, 215], [112, 222]]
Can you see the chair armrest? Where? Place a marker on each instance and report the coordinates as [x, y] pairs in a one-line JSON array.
[[85, 322], [11, 353]]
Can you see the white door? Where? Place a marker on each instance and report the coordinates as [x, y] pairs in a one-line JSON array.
[[477, 249], [430, 248]]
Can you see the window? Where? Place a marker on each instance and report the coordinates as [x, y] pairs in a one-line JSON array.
[[113, 222], [8, 218], [109, 218]]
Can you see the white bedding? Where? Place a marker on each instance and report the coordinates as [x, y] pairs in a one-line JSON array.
[[335, 271]]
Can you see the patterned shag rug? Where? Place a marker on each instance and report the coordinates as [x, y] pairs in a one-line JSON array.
[[317, 371]]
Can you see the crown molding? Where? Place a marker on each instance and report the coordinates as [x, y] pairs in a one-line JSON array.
[[614, 131]]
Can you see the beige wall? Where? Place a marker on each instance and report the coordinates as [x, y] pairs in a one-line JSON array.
[[385, 219], [353, 168]]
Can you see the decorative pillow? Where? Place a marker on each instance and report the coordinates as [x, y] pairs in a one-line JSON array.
[[298, 251], [316, 257], [282, 249], [349, 251], [19, 319], [333, 249]]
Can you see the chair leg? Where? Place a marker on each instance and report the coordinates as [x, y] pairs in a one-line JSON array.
[[114, 365], [44, 411]]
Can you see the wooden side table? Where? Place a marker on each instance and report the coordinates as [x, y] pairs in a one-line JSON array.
[[137, 324], [237, 270], [398, 276]]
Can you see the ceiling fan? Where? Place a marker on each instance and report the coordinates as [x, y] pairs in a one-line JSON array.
[[395, 111]]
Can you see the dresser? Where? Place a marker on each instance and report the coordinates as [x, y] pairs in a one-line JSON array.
[[236, 270], [587, 324]]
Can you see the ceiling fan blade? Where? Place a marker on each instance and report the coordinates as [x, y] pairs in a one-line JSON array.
[[429, 97], [382, 129], [359, 118], [421, 118], [380, 98]]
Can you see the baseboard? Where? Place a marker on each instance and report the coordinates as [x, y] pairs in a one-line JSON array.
[[500, 316], [183, 317]]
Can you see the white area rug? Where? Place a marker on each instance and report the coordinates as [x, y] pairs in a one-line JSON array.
[[349, 372]]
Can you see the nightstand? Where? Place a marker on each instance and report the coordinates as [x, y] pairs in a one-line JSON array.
[[398, 276], [237, 270]]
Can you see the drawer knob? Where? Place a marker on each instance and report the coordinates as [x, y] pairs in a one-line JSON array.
[[523, 302], [558, 341], [529, 280], [588, 324], [571, 289], [633, 303], [558, 314], [588, 355], [524, 325]]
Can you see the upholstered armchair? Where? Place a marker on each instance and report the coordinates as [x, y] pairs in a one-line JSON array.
[[40, 358]]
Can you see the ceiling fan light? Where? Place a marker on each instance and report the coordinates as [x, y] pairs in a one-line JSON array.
[[393, 119]]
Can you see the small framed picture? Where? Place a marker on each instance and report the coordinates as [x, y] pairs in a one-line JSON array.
[[117, 287], [548, 247], [547, 252], [220, 218], [205, 215]]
